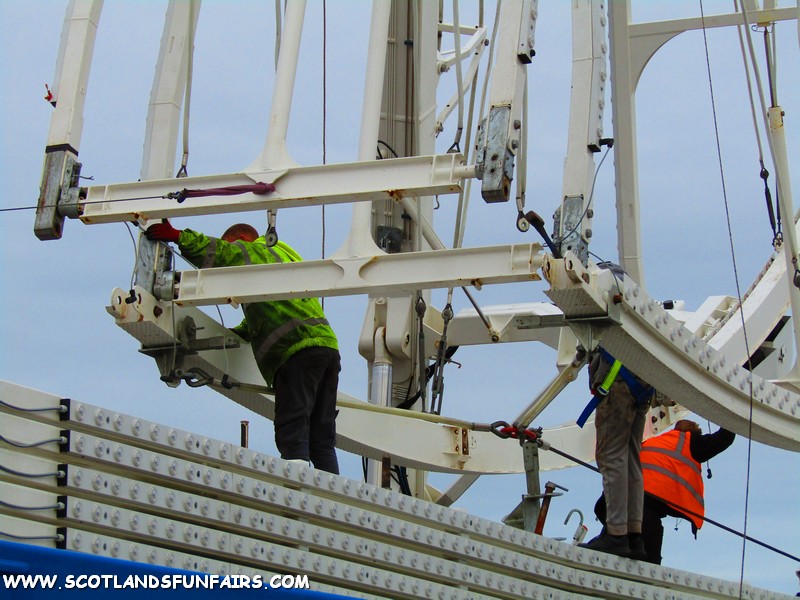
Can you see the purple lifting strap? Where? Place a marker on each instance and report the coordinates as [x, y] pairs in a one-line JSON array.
[[231, 190]]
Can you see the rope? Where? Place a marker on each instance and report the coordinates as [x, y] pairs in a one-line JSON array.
[[278, 31], [324, 112], [84, 203], [187, 98], [463, 197], [456, 147], [763, 173], [504, 430], [749, 88], [738, 295], [765, 115], [231, 190]]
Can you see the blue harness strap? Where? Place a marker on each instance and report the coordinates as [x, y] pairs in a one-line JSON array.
[[641, 393], [588, 410]]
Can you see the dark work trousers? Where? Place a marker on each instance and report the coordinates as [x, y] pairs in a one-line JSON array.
[[652, 528], [305, 407]]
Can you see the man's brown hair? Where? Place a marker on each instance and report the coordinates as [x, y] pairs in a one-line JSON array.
[[687, 425]]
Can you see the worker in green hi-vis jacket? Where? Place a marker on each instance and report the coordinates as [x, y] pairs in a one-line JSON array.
[[294, 346]]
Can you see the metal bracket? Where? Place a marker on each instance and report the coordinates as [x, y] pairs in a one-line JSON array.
[[187, 342], [169, 357], [567, 230], [164, 284], [59, 194], [495, 161], [527, 30]]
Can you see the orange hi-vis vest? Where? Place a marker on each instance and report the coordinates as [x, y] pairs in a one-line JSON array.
[[671, 474]]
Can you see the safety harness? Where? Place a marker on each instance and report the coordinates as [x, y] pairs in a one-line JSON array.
[[641, 393]]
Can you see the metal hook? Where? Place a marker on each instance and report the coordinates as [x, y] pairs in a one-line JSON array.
[[581, 530], [569, 514], [196, 377]]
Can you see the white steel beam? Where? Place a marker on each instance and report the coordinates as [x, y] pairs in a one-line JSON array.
[[647, 38], [72, 73], [502, 129], [632, 46], [383, 275], [172, 79], [275, 153], [587, 101], [169, 84], [626, 166], [66, 125], [391, 179], [667, 355], [535, 321], [151, 322]]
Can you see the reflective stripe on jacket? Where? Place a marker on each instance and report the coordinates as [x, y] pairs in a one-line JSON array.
[[671, 474], [276, 329]]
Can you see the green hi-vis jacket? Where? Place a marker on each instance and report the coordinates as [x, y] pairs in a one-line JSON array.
[[277, 329]]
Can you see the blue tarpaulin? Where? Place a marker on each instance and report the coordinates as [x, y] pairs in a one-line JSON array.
[[32, 572]]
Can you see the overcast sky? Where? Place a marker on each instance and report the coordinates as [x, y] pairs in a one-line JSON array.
[[58, 338]]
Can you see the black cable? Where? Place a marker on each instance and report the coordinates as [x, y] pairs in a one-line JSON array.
[[729, 529], [392, 150], [589, 202], [402, 479], [61, 409], [685, 510], [572, 458], [5, 440], [429, 371], [31, 475], [57, 538], [84, 203], [58, 505], [135, 254], [738, 295]]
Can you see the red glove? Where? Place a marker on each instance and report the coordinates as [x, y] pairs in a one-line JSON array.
[[162, 232]]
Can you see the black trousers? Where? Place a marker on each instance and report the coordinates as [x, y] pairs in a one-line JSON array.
[[652, 528], [305, 407]]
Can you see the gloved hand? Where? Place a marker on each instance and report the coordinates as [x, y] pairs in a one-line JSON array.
[[162, 232]]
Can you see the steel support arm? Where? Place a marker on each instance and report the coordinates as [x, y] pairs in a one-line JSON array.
[[535, 321], [172, 79], [441, 444], [61, 168], [572, 228], [384, 275], [667, 355], [633, 45], [391, 179], [167, 93], [499, 139], [647, 38]]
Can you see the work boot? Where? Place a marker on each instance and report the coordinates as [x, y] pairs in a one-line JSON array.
[[611, 544], [636, 545]]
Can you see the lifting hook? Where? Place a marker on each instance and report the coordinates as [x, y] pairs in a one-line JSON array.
[[580, 532]]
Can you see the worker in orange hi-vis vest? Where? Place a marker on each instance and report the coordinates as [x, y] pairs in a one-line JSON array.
[[673, 481]]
